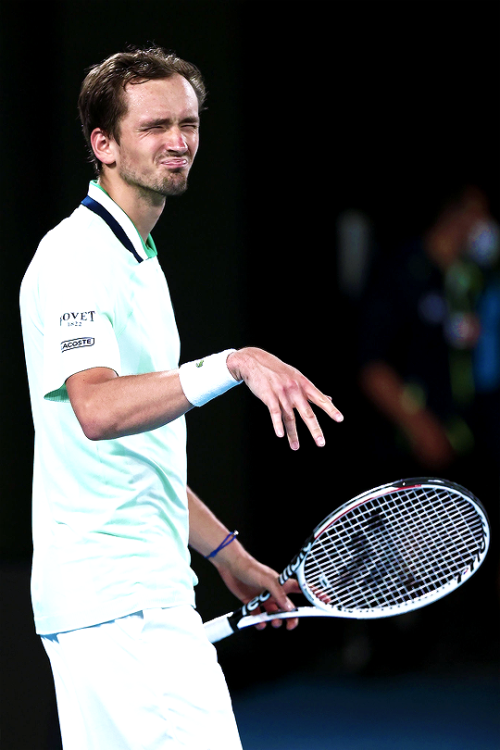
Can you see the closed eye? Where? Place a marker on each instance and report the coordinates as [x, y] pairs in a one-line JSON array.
[[163, 124]]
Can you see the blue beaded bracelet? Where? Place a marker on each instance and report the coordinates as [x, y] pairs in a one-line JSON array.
[[230, 538]]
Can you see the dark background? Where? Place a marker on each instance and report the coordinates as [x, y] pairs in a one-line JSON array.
[[314, 108]]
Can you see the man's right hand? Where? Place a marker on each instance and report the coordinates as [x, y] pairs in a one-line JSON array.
[[284, 390]]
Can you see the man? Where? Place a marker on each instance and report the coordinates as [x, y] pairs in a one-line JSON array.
[[112, 586], [429, 339]]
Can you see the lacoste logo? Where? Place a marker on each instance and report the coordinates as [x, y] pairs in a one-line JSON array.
[[66, 346], [200, 363]]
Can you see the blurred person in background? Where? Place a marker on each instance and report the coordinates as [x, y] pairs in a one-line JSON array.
[[429, 344]]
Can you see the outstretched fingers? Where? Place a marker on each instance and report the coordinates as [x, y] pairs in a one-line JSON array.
[[311, 421], [298, 400], [285, 391]]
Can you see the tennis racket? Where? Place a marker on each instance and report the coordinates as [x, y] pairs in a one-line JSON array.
[[388, 551]]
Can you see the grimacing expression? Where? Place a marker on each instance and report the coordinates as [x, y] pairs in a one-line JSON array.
[[158, 136]]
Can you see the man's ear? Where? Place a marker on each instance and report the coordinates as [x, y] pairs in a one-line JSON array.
[[103, 146]]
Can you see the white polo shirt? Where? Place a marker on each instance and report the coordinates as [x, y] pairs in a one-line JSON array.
[[110, 519]]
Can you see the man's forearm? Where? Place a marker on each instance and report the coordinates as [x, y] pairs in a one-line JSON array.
[[386, 389], [108, 406], [206, 532], [424, 430]]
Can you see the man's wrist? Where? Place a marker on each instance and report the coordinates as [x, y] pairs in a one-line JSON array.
[[233, 365], [240, 362], [207, 378], [225, 543]]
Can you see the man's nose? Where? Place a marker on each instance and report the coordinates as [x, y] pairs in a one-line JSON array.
[[176, 141]]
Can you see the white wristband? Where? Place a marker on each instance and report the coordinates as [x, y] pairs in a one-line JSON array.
[[206, 378]]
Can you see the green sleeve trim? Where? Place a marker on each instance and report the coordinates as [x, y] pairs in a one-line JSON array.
[[60, 395]]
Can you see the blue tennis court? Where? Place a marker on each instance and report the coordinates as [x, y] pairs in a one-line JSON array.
[[404, 713]]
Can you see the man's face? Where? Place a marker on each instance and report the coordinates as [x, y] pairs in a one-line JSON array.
[[158, 136]]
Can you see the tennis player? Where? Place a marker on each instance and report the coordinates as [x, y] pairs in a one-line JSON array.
[[113, 519]]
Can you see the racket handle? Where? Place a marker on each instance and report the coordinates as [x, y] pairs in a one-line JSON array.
[[219, 628]]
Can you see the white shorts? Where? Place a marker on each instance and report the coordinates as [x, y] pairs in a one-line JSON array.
[[149, 681]]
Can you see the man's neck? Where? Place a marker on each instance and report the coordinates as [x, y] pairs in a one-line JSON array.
[[142, 207]]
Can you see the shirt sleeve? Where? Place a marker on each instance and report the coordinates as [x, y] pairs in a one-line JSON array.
[[78, 327]]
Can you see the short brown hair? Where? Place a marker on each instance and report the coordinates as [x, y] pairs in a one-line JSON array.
[[101, 103]]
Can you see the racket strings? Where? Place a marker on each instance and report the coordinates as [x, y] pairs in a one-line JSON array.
[[395, 548]]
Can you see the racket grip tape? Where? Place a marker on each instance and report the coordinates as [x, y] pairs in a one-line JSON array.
[[219, 628]]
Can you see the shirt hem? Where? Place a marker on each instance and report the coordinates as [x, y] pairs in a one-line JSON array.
[[114, 610]]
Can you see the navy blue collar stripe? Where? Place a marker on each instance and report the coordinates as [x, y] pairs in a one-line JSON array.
[[112, 223]]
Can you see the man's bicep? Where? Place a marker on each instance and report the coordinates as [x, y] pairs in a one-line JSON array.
[[80, 388], [69, 350]]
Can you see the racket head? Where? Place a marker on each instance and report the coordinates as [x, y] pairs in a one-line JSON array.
[[394, 549]]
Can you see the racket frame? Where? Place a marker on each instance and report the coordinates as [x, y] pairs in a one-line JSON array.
[[225, 625], [412, 604]]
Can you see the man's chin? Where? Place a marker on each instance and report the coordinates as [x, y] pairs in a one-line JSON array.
[[171, 190], [175, 185]]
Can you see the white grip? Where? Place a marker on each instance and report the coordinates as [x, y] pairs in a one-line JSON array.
[[218, 629]]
